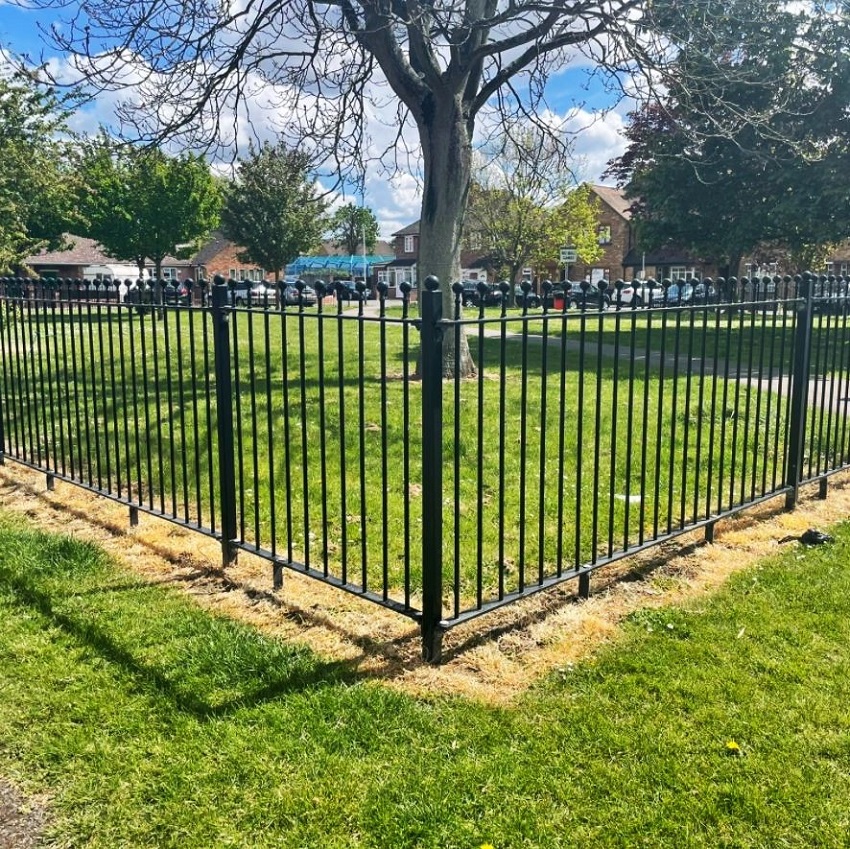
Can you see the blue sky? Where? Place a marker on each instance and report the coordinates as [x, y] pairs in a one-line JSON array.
[[395, 201], [18, 28]]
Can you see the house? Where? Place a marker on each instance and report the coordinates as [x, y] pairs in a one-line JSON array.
[[86, 259], [403, 269], [405, 248], [219, 256], [622, 256], [83, 259]]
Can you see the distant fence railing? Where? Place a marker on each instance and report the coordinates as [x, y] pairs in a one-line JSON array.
[[320, 431]]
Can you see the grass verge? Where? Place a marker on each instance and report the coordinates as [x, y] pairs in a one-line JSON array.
[[155, 724]]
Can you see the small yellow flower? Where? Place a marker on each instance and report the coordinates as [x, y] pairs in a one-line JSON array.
[[732, 748], [487, 846]]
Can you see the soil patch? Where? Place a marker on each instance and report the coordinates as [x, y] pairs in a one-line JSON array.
[[494, 658], [21, 819]]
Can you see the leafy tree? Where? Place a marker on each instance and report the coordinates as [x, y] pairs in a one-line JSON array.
[[142, 204], [352, 226], [524, 206], [445, 63], [724, 195], [272, 208], [37, 175]]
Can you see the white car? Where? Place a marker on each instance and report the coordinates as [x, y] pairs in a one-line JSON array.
[[262, 295], [646, 295], [624, 298]]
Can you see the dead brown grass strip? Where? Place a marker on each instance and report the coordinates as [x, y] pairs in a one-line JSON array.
[[493, 659]]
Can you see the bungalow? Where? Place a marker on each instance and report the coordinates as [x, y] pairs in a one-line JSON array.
[[86, 259]]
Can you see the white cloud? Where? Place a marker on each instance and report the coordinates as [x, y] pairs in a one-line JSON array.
[[393, 186], [598, 139]]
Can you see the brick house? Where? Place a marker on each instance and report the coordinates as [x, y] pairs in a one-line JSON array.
[[623, 258], [219, 256], [86, 258], [405, 247], [403, 269]]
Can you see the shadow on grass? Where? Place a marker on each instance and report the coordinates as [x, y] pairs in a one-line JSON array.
[[387, 658], [201, 664]]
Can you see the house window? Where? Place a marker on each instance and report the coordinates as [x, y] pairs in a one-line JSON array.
[[170, 274], [383, 276], [232, 273], [603, 234], [408, 244], [682, 272]]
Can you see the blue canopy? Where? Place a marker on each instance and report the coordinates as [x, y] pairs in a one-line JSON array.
[[352, 264]]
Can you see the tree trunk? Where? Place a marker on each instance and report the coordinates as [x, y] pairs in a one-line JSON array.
[[734, 264], [447, 153]]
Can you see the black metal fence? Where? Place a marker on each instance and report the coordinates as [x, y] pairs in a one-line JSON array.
[[327, 439]]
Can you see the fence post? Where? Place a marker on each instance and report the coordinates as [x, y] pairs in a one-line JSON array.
[[224, 418], [3, 315], [799, 391], [432, 471]]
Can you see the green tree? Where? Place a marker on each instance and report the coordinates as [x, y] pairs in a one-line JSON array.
[[352, 227], [273, 209], [37, 173], [446, 64], [142, 204], [524, 206], [728, 194]]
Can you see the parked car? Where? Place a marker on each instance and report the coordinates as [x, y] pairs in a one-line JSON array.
[[624, 297], [350, 292], [239, 292], [471, 296], [528, 299], [647, 293], [292, 298], [830, 297], [591, 298], [679, 293], [262, 294], [704, 293]]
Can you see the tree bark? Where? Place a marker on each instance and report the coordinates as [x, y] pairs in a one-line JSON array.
[[446, 136]]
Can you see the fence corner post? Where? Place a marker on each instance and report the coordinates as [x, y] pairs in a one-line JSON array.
[[799, 390], [432, 471], [5, 306], [224, 420]]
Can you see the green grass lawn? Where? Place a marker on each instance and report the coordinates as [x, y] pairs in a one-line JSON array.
[[152, 723], [748, 340], [327, 424]]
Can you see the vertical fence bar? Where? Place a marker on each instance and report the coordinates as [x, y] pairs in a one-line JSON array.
[[385, 472], [4, 307], [503, 287], [457, 289], [405, 443], [799, 393], [224, 420], [432, 471]]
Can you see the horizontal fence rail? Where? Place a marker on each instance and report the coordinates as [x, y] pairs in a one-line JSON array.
[[315, 427]]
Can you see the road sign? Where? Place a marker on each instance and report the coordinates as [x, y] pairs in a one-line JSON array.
[[569, 255]]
